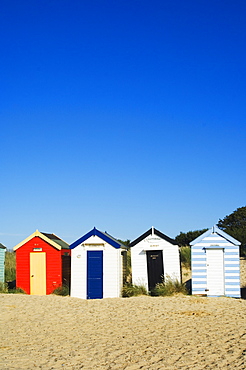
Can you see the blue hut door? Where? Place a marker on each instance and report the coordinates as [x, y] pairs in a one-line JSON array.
[[94, 274]]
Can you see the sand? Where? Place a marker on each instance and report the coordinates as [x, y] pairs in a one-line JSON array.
[[182, 332]]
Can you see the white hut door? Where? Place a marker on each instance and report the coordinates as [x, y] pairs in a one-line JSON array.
[[215, 271]]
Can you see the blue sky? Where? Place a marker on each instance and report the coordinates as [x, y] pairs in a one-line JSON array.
[[121, 115]]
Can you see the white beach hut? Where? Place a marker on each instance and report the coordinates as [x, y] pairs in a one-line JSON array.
[[215, 264], [96, 266], [153, 256]]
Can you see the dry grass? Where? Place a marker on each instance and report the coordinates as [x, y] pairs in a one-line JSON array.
[[10, 266]]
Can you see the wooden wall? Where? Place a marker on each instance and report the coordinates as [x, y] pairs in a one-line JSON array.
[[171, 259], [53, 265], [2, 263], [112, 268], [226, 260]]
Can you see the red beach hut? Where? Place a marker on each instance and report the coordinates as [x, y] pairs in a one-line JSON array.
[[42, 263]]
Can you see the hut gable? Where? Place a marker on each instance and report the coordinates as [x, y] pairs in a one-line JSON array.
[[52, 239], [154, 256], [214, 235], [102, 235], [215, 264], [96, 266], [152, 232]]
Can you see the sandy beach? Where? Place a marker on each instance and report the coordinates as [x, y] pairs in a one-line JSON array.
[[182, 332]]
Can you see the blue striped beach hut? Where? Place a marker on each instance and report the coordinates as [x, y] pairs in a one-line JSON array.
[[215, 264], [2, 262]]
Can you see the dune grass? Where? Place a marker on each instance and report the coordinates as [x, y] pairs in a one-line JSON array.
[[132, 290], [10, 266], [185, 257], [61, 290], [3, 287], [169, 287]]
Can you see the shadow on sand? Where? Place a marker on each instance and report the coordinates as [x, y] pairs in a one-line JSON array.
[[243, 293]]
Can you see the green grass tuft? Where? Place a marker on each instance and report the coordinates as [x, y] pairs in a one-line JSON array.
[[16, 291], [3, 287], [131, 290], [169, 287], [61, 290]]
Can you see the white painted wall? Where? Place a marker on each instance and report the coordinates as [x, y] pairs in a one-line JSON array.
[[171, 259], [78, 272], [112, 268]]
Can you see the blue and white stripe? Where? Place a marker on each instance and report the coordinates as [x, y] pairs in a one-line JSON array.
[[2, 262], [216, 238]]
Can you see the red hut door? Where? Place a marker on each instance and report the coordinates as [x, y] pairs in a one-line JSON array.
[[38, 273]]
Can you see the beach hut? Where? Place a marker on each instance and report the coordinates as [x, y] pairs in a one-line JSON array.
[[215, 264], [42, 263], [2, 262], [154, 256], [96, 266]]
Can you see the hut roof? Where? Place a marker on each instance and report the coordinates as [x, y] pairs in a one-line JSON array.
[[215, 230], [57, 240], [103, 235], [152, 231], [52, 239]]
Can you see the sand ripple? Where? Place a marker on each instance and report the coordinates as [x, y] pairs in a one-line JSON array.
[[54, 332]]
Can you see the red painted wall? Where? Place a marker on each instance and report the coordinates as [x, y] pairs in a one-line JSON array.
[[53, 265]]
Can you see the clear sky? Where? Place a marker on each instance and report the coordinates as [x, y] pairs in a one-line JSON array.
[[121, 115]]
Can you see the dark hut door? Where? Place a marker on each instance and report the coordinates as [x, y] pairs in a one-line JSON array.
[[155, 268], [66, 270]]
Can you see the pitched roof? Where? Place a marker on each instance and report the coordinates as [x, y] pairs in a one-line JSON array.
[[52, 239], [58, 240], [103, 235], [2, 246], [218, 231], [150, 232]]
